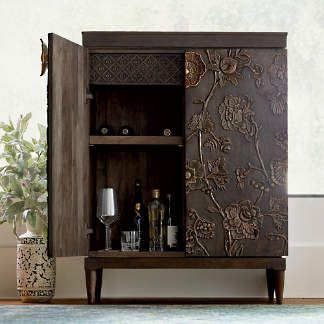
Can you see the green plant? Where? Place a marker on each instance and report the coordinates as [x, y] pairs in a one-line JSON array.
[[23, 177]]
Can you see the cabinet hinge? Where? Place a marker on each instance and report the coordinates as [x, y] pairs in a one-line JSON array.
[[88, 231], [89, 96]]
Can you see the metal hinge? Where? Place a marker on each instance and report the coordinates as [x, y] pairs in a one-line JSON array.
[[88, 231]]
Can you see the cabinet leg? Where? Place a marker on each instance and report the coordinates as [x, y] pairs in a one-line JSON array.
[[98, 285], [279, 279], [91, 281], [270, 284]]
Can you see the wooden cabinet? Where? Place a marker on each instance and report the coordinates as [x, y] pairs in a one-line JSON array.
[[236, 152], [223, 95]]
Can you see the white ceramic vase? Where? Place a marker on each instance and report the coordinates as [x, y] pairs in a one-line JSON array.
[[35, 270]]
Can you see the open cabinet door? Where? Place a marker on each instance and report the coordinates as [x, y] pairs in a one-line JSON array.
[[68, 149], [236, 152]]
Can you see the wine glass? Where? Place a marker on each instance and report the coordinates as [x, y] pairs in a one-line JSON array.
[[107, 211]]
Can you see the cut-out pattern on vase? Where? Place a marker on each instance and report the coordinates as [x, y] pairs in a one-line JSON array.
[[35, 270]]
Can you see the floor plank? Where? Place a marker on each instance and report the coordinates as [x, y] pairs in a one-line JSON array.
[[166, 301]]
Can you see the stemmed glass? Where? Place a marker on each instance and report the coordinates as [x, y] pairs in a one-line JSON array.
[[107, 211]]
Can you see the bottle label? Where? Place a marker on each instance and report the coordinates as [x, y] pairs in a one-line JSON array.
[[172, 236]]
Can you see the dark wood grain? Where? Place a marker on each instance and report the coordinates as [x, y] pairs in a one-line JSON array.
[[98, 285], [270, 284], [146, 109], [91, 284], [185, 263], [136, 140], [182, 39], [74, 179], [119, 166], [126, 254], [279, 281], [237, 157], [68, 149], [93, 264]]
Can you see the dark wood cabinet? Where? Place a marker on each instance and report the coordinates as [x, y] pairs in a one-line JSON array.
[[236, 152], [223, 95]]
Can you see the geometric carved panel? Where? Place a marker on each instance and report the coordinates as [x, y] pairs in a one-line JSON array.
[[164, 69]]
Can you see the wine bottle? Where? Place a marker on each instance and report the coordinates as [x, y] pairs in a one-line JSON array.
[[126, 131], [106, 130], [172, 226], [140, 216], [157, 228]]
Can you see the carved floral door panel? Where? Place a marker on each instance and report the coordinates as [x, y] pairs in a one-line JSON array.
[[236, 152]]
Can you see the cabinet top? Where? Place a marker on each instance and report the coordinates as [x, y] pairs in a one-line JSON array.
[[120, 39]]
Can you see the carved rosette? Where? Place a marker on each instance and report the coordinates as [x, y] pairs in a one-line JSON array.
[[236, 114], [243, 219], [195, 69], [229, 67]]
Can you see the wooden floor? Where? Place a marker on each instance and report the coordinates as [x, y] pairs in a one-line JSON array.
[[168, 301]]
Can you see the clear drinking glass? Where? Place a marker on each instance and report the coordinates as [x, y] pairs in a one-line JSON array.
[[107, 211], [129, 240]]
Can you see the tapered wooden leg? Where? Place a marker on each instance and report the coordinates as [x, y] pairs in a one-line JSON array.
[[91, 281], [98, 285], [270, 284], [279, 279]]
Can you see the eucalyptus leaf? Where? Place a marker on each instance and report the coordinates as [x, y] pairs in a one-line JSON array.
[[42, 130], [16, 208], [6, 127], [23, 176], [29, 146], [24, 122], [16, 186]]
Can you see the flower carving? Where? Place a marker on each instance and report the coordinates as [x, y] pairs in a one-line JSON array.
[[198, 228], [236, 114], [202, 122], [243, 220], [278, 78], [241, 174], [218, 173], [278, 70], [282, 140], [195, 69], [194, 175], [279, 170], [230, 66]]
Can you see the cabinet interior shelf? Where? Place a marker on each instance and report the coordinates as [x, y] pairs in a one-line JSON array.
[[136, 140], [130, 254]]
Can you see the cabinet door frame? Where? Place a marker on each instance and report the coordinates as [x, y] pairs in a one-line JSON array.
[[68, 149]]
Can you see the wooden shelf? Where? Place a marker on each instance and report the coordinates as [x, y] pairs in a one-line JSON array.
[[130, 254], [136, 140], [178, 260]]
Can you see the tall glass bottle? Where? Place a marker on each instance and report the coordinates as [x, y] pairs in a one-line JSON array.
[[172, 225], [140, 219], [157, 228]]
